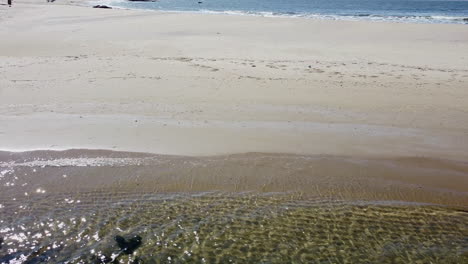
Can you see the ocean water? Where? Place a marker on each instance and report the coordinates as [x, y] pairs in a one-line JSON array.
[[412, 11]]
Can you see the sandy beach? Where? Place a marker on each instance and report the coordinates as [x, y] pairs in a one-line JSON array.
[[193, 84], [203, 138], [207, 85]]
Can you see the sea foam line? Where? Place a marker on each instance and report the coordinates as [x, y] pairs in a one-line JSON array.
[[419, 19]]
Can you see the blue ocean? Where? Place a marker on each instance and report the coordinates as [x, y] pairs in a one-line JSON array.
[[412, 11]]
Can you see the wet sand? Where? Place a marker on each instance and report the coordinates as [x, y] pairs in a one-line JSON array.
[[420, 180]]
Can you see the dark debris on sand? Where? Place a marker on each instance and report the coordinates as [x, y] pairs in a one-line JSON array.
[[102, 6]]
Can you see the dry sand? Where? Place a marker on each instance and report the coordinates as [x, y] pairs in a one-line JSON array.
[[186, 84], [193, 84]]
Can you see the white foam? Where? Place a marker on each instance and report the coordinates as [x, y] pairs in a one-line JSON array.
[[75, 162], [429, 19]]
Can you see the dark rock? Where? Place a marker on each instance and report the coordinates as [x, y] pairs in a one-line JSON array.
[[102, 6], [200, 2], [128, 246], [1, 242]]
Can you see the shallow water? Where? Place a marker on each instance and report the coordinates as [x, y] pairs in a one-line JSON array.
[[69, 207], [228, 228]]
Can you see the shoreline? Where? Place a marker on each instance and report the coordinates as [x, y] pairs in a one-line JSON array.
[[204, 86], [406, 179], [373, 116], [411, 19], [317, 17]]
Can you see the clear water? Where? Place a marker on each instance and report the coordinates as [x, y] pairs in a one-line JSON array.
[[227, 228], [419, 11], [74, 207]]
